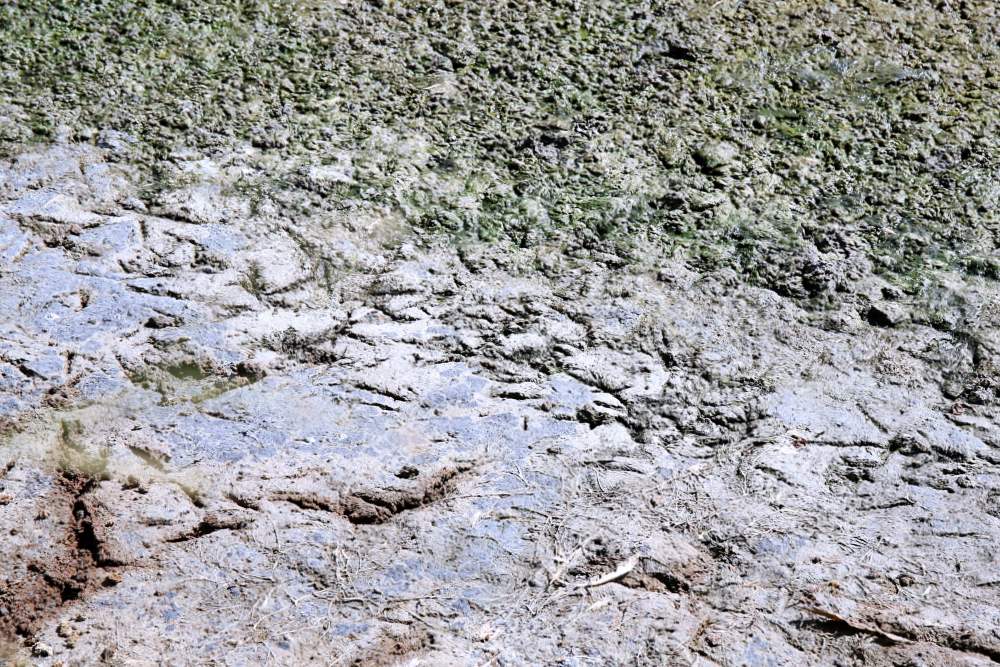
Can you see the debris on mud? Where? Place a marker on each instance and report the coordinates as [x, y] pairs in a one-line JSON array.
[[535, 333]]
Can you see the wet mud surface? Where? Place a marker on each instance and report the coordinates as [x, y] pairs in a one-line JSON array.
[[257, 409]]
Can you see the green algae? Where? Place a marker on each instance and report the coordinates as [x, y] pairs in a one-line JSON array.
[[873, 126]]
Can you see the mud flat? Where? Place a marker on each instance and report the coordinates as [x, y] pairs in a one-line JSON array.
[[529, 334]]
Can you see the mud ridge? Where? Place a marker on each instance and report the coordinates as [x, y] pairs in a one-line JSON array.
[[377, 506], [211, 524]]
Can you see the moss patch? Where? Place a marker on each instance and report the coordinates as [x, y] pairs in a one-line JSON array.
[[857, 127]]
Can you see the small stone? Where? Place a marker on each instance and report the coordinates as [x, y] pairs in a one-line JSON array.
[[112, 579], [892, 293], [952, 388], [716, 156], [64, 630], [41, 650], [840, 320], [407, 472], [886, 314]]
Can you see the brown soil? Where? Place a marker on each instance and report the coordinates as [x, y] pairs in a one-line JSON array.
[[79, 565]]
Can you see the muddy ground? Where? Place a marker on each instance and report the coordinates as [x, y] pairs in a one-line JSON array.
[[551, 333]]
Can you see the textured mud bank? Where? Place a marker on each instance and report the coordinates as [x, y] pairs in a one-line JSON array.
[[519, 334]]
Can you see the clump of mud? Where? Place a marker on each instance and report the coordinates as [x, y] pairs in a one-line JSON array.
[[75, 561]]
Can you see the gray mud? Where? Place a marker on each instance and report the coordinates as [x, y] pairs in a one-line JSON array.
[[626, 336]]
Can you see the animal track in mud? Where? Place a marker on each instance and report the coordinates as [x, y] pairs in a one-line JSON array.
[[80, 565], [377, 506]]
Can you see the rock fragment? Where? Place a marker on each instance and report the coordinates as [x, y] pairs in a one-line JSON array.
[[887, 314], [716, 157]]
